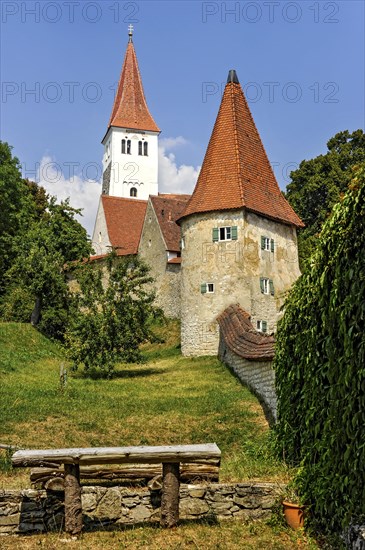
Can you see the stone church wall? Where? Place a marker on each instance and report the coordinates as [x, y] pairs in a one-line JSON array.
[[152, 250], [100, 238], [29, 511], [235, 268]]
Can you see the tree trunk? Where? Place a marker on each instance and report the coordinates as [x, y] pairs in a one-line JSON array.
[[73, 509], [36, 313], [170, 495]]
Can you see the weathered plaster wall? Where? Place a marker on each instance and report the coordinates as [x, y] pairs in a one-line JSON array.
[[258, 376], [131, 170], [235, 268], [30, 510], [100, 238], [106, 179], [152, 250]]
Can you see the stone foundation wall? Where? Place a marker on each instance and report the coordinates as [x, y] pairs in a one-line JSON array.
[[27, 511], [258, 376]]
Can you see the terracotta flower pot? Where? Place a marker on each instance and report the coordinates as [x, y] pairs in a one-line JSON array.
[[294, 514]]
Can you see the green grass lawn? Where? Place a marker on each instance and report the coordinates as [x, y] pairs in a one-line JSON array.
[[169, 399]]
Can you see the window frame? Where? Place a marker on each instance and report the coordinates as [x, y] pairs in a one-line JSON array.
[[267, 244], [267, 286], [261, 326], [230, 233], [126, 146], [207, 288]]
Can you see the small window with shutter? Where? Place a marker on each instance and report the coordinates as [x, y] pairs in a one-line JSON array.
[[267, 286], [267, 244], [261, 326], [207, 288], [226, 233]]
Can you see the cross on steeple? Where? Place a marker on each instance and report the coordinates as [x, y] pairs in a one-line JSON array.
[[130, 32]]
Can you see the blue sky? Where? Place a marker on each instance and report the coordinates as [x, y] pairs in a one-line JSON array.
[[301, 65]]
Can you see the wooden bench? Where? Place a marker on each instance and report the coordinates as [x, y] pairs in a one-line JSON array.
[[169, 456], [127, 474]]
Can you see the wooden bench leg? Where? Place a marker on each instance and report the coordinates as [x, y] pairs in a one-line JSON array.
[[73, 509], [170, 495]]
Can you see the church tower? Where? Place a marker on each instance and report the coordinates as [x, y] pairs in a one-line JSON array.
[[130, 160]]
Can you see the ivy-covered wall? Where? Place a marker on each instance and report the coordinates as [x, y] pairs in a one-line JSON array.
[[320, 369]]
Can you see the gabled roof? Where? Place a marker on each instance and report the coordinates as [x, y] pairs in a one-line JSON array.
[[124, 220], [242, 338], [236, 172], [168, 209], [130, 107]]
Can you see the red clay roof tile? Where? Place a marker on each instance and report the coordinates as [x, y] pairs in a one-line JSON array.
[[236, 172], [130, 107], [241, 338], [168, 208], [174, 261], [124, 220]]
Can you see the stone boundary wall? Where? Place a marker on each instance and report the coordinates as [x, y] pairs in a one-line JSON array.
[[258, 376], [354, 537], [30, 511]]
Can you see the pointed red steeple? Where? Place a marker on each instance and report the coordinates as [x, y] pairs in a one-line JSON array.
[[236, 172], [130, 107]]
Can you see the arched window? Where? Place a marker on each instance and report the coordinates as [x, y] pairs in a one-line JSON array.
[[133, 192], [126, 146], [143, 148]]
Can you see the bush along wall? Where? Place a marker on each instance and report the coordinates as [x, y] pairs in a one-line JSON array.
[[320, 369]]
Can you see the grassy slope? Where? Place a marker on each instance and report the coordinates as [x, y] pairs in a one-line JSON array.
[[169, 399]]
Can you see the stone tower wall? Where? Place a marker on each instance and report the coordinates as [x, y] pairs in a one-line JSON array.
[[235, 268]]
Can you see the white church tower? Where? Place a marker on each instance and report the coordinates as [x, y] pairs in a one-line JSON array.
[[130, 160]]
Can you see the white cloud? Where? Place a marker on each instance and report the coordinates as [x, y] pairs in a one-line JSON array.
[[67, 180], [174, 178], [83, 192]]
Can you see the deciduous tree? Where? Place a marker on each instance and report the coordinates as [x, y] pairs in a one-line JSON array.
[[112, 316], [319, 183]]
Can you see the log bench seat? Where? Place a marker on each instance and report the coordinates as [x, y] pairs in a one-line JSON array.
[[170, 457], [128, 474]]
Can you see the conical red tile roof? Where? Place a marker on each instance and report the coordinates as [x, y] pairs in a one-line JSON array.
[[236, 172], [130, 107]]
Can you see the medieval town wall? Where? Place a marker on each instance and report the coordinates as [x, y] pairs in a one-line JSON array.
[[258, 376]]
